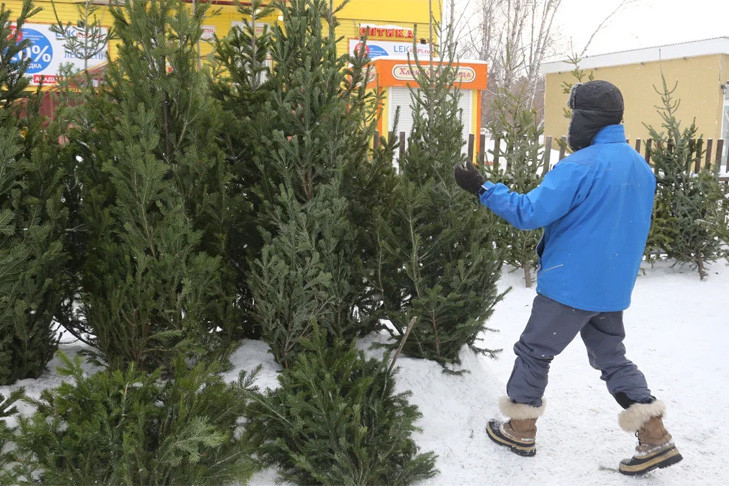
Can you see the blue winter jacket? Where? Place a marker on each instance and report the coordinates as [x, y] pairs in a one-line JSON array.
[[595, 207]]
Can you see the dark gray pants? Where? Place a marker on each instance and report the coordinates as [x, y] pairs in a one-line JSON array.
[[551, 327]]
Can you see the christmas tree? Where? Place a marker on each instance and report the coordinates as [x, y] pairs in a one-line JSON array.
[[153, 198], [32, 217], [438, 262], [306, 167], [517, 132], [689, 218], [336, 419], [241, 82], [133, 427]]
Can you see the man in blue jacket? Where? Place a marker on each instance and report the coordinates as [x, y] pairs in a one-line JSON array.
[[595, 207]]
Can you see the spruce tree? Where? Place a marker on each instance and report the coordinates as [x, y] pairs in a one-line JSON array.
[[86, 38], [517, 132], [153, 278], [302, 275], [158, 66], [306, 154], [32, 217], [149, 292], [438, 261], [336, 420], [241, 82], [689, 219], [133, 427]]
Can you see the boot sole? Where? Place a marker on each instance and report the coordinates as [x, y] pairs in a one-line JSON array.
[[666, 458], [515, 447]]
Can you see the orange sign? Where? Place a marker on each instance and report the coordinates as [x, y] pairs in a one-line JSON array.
[[397, 72], [405, 72]]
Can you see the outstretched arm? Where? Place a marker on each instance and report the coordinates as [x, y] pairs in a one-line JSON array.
[[562, 188]]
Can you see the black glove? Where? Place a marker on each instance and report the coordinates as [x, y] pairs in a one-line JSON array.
[[468, 177]]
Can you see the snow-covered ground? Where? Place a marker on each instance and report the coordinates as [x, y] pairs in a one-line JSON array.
[[677, 333]]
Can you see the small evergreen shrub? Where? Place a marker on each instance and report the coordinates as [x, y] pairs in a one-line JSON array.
[[336, 420], [135, 428], [303, 274], [517, 131], [689, 218]]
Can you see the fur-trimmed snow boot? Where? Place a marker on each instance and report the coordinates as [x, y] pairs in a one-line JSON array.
[[655, 445], [520, 431]]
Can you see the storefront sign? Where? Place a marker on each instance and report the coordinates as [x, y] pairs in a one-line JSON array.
[[375, 48], [385, 31], [47, 53], [405, 72], [208, 33]]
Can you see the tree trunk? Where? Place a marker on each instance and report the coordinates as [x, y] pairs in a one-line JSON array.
[[528, 276]]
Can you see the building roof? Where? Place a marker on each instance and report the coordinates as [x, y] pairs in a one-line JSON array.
[[706, 47]]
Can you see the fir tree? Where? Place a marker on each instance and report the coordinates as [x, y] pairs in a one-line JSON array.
[[241, 82], [517, 132], [157, 67], [302, 275], [308, 147], [152, 198], [149, 292], [336, 420], [132, 427], [689, 219], [94, 36], [32, 218], [438, 261]]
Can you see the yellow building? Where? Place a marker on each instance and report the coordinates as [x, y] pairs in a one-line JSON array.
[[391, 27], [701, 69]]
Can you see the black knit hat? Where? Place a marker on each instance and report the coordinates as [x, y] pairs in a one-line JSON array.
[[598, 95]]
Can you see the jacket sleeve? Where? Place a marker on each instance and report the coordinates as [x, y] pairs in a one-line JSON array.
[[561, 189]]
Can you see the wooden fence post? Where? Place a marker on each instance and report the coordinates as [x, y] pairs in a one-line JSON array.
[[482, 150], [547, 154], [402, 145], [699, 149], [709, 146], [719, 153], [562, 146], [637, 145], [648, 144], [497, 151], [471, 140], [376, 141]]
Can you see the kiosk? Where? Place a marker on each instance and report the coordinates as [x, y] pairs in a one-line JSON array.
[[395, 78]]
